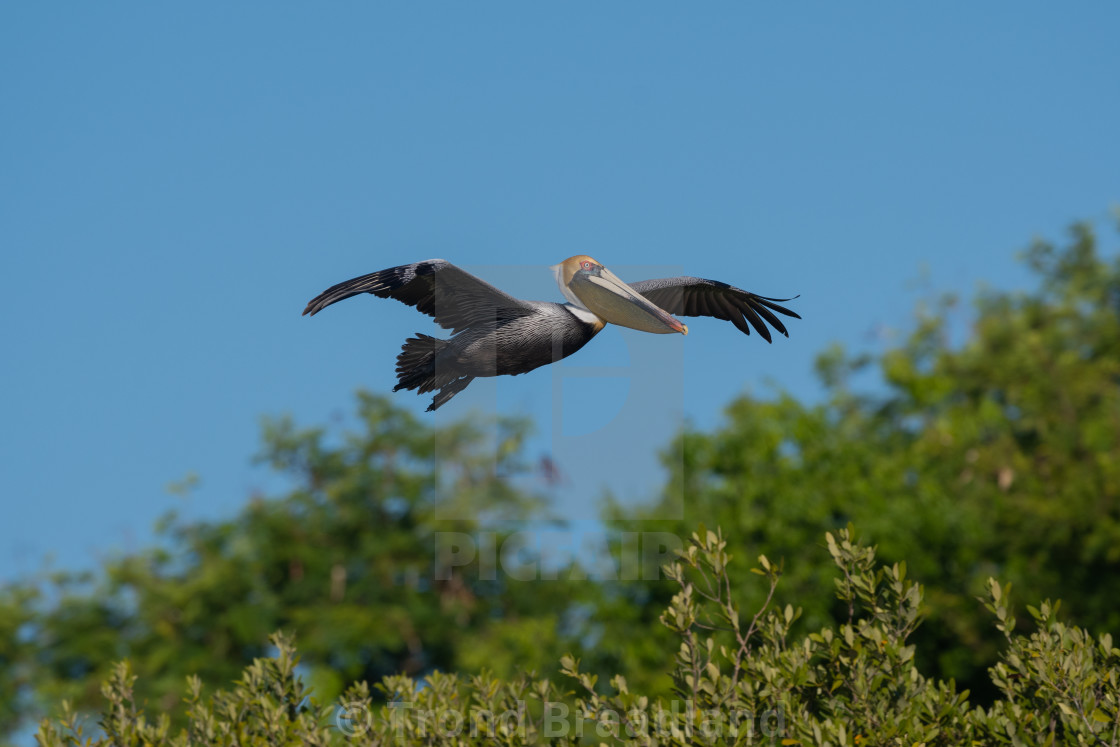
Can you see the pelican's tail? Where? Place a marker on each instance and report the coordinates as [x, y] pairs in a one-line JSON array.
[[416, 369]]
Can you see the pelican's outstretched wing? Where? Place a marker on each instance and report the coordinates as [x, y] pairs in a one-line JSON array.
[[699, 297], [453, 297]]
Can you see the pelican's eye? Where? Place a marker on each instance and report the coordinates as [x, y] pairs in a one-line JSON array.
[[586, 265]]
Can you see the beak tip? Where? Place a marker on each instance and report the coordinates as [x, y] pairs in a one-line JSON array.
[[684, 329]]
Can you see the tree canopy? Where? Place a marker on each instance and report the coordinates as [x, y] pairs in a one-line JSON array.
[[998, 455]]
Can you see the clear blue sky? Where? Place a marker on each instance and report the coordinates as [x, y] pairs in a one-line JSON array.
[[177, 180]]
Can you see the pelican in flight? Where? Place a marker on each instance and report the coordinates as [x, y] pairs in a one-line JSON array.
[[495, 334]]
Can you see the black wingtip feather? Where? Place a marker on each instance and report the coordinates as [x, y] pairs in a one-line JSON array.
[[756, 321], [774, 321], [772, 303]]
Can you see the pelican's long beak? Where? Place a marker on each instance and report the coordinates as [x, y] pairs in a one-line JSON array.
[[612, 300]]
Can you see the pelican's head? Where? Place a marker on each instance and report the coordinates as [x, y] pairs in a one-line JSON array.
[[589, 285]]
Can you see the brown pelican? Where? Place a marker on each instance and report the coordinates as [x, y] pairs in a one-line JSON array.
[[494, 334]]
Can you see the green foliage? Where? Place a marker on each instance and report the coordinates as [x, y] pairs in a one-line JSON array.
[[994, 454], [345, 557], [1057, 679], [735, 682], [269, 705], [15, 650], [852, 683]]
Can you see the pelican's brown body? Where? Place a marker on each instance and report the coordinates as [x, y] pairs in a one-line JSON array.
[[507, 347], [495, 334]]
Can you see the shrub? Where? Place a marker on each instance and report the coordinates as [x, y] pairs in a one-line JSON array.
[[737, 679]]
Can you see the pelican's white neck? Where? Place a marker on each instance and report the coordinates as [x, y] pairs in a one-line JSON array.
[[558, 273], [581, 313]]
